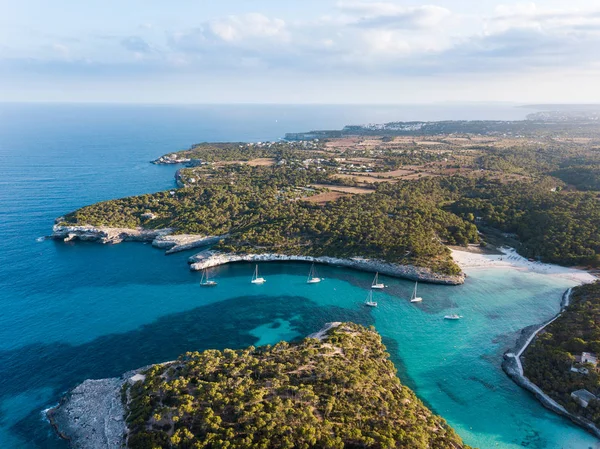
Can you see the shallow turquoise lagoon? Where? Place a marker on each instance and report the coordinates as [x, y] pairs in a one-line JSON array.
[[105, 329]]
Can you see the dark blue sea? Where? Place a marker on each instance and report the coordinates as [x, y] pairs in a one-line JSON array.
[[69, 312]]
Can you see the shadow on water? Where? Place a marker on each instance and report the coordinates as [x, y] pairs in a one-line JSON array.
[[227, 324]]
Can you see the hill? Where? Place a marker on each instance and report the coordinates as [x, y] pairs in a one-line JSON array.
[[337, 391]]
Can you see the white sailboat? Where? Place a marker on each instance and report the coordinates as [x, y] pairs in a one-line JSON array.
[[256, 279], [414, 297], [453, 317], [369, 302], [376, 284], [205, 281], [312, 276]]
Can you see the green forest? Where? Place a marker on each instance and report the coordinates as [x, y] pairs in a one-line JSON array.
[[402, 223], [581, 177], [559, 227], [548, 360], [554, 210], [341, 392]]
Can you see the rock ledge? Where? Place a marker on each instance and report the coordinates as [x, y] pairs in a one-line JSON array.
[[208, 259], [160, 238]]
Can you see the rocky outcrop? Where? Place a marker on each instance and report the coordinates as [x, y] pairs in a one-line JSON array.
[[91, 416], [320, 335], [175, 158], [172, 158], [179, 179], [104, 234], [208, 259], [183, 242], [160, 238], [514, 369]]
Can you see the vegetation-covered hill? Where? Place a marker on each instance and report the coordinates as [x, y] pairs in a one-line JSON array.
[[260, 209], [335, 393], [399, 199], [547, 362]]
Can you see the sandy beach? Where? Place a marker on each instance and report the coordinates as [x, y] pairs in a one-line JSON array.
[[511, 259]]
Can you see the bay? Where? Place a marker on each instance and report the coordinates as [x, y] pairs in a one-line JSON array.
[[74, 311]]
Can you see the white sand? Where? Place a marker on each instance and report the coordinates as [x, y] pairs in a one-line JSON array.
[[511, 260]]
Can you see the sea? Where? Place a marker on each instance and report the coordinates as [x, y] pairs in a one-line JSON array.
[[70, 312]]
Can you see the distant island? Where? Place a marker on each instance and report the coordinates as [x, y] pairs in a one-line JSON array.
[[335, 389], [387, 198]]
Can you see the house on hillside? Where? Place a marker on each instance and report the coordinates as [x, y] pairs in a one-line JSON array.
[[583, 397], [583, 362], [589, 357]]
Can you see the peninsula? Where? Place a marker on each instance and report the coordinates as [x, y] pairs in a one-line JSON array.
[[388, 198], [558, 361], [335, 389]]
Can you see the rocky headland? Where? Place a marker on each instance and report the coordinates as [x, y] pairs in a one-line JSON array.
[[173, 243], [136, 410], [171, 159], [160, 238], [209, 259]]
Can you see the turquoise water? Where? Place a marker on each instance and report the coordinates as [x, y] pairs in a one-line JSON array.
[[74, 311]]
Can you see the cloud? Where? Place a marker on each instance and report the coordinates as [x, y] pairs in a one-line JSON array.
[[248, 26], [247, 30], [384, 38], [136, 44], [391, 15], [529, 15]]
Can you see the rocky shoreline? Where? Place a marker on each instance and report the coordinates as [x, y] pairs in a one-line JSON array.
[[209, 259], [514, 369], [171, 159], [92, 415], [173, 243], [160, 238]]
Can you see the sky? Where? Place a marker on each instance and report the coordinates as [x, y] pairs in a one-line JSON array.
[[299, 51]]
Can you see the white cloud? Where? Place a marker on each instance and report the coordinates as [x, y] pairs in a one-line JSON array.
[[386, 38], [248, 26], [531, 16], [392, 15]]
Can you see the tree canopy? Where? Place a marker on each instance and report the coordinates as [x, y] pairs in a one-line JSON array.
[[336, 393]]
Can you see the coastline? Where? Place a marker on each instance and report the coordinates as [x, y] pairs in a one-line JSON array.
[[92, 414], [511, 365], [160, 238], [209, 259], [510, 259], [513, 368], [173, 243]]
